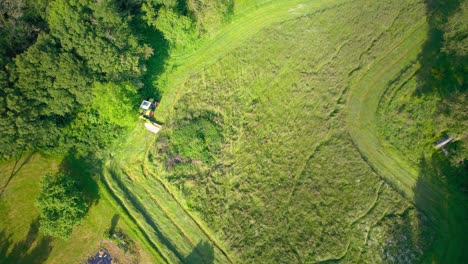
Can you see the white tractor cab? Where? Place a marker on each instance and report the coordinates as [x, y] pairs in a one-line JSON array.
[[147, 113]]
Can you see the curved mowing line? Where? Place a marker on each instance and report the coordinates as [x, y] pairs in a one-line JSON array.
[[230, 38], [359, 125]]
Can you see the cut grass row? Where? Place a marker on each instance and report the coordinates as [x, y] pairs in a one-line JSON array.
[[401, 161], [363, 105], [134, 183], [286, 153], [169, 228]]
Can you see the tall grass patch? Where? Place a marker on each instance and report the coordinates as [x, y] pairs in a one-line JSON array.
[[287, 182]]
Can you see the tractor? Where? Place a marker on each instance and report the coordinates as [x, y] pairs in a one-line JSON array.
[[147, 113]]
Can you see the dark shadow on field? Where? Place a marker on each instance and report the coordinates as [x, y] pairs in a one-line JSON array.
[[16, 168], [114, 221], [443, 69], [204, 249], [442, 189], [441, 192], [82, 170], [31, 250], [436, 233], [155, 65]]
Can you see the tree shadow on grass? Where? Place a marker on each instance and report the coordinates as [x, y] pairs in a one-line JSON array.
[[16, 168], [155, 64], [436, 232], [33, 249], [441, 189], [441, 193], [442, 70], [203, 253], [82, 170]]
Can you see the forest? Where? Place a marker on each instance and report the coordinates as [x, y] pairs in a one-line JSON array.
[[293, 131], [65, 63]]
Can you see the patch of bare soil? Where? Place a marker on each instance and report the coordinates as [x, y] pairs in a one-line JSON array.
[[120, 257]]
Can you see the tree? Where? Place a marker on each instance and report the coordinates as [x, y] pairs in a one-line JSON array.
[[100, 35], [177, 29], [44, 90], [456, 32], [61, 205], [116, 103]]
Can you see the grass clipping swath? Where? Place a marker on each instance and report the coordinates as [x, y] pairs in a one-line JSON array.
[[153, 127]]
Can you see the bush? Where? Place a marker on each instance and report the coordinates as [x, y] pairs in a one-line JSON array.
[[197, 139], [61, 205]]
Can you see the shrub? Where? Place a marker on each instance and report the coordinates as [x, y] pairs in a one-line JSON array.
[[61, 205]]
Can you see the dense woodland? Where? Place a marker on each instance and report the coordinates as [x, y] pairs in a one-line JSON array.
[[71, 71], [72, 76]]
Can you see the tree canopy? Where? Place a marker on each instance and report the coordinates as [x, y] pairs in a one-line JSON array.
[[61, 205]]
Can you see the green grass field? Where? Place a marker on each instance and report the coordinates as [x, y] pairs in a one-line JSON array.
[[20, 240], [288, 182], [284, 141]]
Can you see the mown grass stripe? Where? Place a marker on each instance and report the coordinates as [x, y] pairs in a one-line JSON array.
[[360, 120]]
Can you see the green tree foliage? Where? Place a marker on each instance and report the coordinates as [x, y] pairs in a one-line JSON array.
[[112, 109], [177, 29], [61, 205], [50, 84], [46, 86], [456, 32], [182, 22], [100, 35], [89, 133], [115, 104], [49, 81], [209, 16]]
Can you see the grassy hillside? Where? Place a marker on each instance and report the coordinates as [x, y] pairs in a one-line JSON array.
[[298, 133], [286, 182], [20, 240], [172, 233]]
